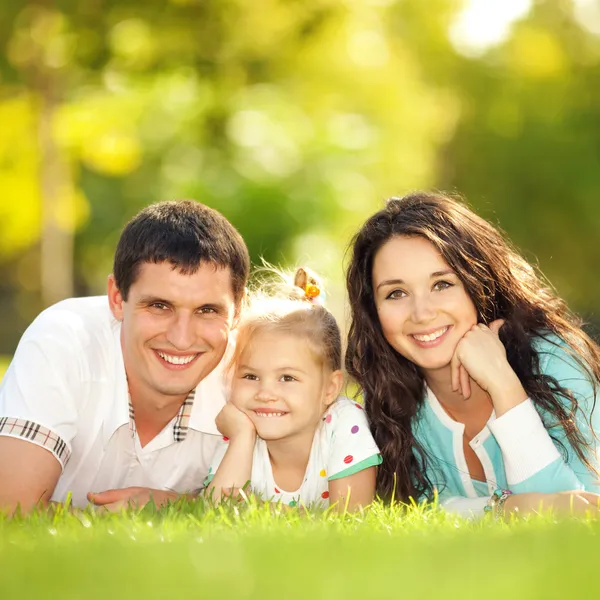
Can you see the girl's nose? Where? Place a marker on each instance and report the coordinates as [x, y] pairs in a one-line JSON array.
[[265, 394]]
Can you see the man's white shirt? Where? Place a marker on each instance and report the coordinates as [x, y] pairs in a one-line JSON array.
[[66, 391]]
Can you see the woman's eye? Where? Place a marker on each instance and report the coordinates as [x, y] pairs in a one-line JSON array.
[[395, 295], [442, 285]]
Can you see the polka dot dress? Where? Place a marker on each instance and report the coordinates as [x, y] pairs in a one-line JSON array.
[[341, 443]]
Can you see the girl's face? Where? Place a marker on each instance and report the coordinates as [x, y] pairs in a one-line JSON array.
[[423, 307], [281, 386]]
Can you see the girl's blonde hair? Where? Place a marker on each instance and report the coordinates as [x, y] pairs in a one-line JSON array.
[[281, 305]]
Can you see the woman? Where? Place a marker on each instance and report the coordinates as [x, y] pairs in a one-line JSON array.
[[479, 383]]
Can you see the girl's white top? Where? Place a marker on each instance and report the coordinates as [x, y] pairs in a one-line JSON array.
[[342, 446]]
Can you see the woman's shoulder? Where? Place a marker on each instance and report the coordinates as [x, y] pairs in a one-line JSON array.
[[556, 357]]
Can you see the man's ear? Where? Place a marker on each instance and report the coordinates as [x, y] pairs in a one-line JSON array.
[[239, 309], [115, 299], [333, 387]]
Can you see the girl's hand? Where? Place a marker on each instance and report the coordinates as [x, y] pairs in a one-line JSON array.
[[577, 503], [232, 422], [480, 355]]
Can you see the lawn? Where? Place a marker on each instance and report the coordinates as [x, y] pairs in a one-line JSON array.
[[254, 552]]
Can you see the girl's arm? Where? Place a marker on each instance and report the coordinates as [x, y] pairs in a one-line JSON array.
[[353, 456], [354, 491], [235, 469]]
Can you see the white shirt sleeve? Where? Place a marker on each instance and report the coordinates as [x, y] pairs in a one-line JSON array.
[[468, 508], [40, 390], [351, 440]]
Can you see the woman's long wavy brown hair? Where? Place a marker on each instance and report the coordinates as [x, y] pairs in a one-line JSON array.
[[501, 284]]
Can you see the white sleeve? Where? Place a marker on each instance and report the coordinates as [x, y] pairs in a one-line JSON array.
[[351, 440], [468, 508], [41, 388]]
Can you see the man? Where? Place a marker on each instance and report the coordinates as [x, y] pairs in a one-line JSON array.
[[114, 399]]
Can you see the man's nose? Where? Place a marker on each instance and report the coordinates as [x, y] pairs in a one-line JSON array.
[[181, 333]]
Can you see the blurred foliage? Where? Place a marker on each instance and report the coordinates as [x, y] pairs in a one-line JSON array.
[[294, 118]]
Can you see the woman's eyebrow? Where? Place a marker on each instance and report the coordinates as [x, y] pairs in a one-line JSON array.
[[442, 273], [401, 281]]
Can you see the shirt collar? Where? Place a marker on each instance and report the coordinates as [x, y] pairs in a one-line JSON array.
[[181, 423]]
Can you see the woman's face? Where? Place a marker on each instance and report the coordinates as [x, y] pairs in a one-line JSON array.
[[423, 307]]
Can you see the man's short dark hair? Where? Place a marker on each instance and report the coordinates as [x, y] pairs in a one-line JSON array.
[[186, 234]]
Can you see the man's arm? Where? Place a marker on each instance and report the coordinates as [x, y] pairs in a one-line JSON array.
[[28, 474]]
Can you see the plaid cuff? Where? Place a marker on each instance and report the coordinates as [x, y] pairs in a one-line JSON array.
[[28, 430]]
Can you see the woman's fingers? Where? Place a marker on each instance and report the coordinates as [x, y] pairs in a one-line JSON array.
[[465, 382], [496, 325], [455, 373]]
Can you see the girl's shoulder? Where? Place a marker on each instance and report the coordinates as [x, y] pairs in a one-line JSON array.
[[344, 406]]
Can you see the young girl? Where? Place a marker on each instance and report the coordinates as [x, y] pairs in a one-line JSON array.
[[285, 429], [478, 382]]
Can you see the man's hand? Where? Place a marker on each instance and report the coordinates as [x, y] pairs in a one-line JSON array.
[[134, 497]]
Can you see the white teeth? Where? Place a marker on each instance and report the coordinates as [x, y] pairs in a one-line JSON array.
[[269, 414], [177, 360], [430, 336]]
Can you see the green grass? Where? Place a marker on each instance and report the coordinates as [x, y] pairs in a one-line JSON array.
[[258, 552]]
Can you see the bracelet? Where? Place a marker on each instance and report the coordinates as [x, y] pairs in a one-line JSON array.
[[495, 504]]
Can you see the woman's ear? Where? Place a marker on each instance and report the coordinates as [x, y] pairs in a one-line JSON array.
[[333, 387]]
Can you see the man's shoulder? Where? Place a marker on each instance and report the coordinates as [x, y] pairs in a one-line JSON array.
[[73, 316], [79, 325]]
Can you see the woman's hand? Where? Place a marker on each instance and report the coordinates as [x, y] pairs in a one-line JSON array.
[[577, 503], [233, 423], [481, 356]]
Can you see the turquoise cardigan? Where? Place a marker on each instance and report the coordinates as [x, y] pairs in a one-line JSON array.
[[516, 450]]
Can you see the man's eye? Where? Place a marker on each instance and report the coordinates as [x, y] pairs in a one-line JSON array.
[[207, 310], [159, 306], [395, 295], [288, 378]]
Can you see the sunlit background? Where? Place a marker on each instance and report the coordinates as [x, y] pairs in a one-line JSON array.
[[296, 120]]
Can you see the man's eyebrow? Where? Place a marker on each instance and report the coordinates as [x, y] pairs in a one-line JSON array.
[[144, 300], [401, 281]]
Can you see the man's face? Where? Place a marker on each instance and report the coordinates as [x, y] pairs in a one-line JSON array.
[[175, 327]]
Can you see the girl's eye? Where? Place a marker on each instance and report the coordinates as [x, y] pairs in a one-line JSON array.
[[288, 378], [395, 295], [250, 377], [442, 285]]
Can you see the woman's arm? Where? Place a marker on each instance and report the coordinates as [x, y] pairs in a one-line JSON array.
[[533, 462]]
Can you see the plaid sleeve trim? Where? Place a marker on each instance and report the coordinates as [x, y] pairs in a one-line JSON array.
[[28, 430]]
